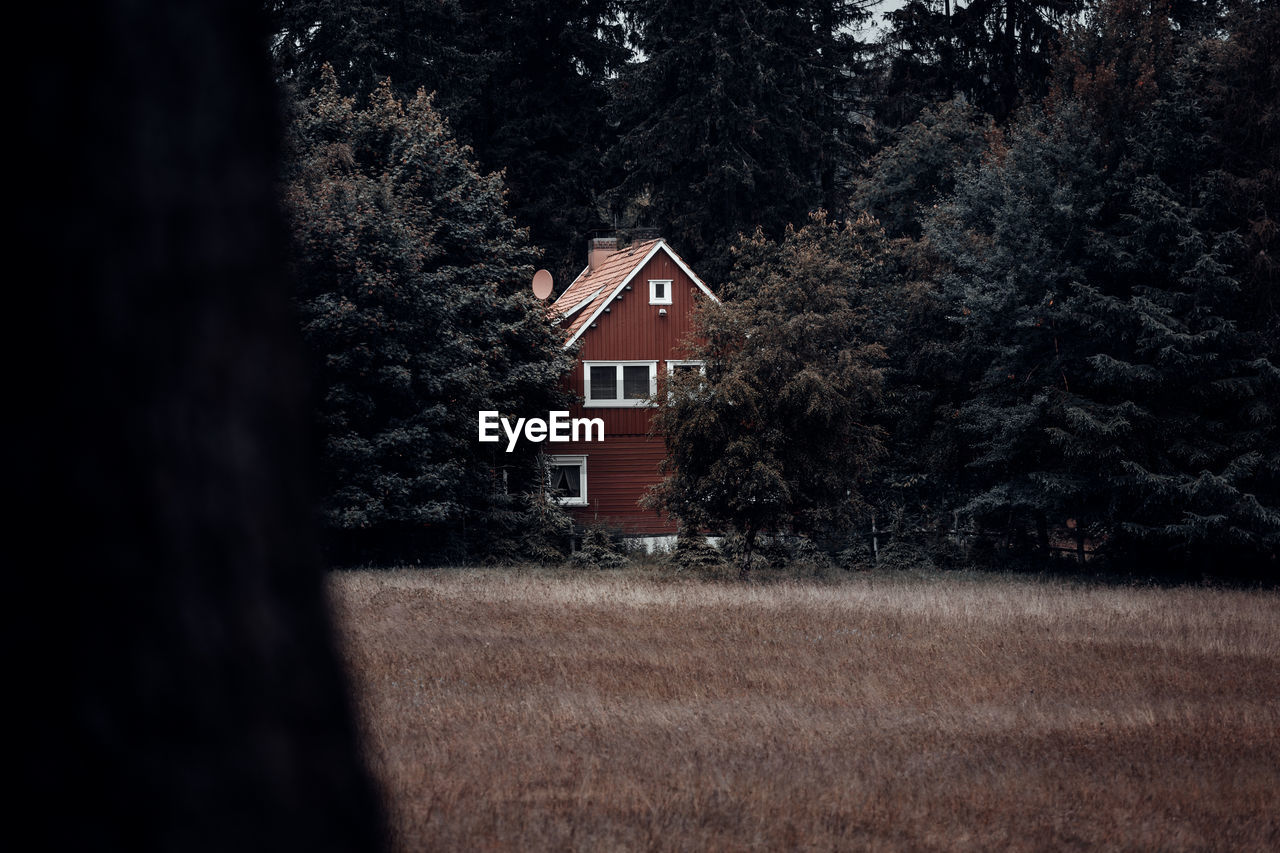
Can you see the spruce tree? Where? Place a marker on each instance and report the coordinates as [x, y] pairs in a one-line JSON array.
[[523, 83], [1177, 287], [414, 300], [919, 165], [1008, 49], [1110, 379], [1013, 237], [920, 60], [998, 54], [736, 114]]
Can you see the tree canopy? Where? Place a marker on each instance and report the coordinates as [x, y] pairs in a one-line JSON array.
[[1055, 219], [778, 435], [414, 299]]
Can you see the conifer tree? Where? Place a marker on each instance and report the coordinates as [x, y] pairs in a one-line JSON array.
[[1111, 382], [919, 164], [1013, 237], [920, 60], [996, 53], [918, 481], [1176, 287], [1008, 46], [523, 83], [1238, 83], [414, 301], [736, 114]]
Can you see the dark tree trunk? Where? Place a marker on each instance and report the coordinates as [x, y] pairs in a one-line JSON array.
[[1008, 93], [1042, 535], [749, 543], [174, 673]]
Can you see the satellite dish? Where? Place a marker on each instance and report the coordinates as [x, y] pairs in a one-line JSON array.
[[542, 284]]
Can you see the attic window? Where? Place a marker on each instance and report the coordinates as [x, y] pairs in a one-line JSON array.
[[617, 384], [659, 291]]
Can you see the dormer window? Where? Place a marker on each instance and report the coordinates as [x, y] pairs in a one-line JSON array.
[[659, 291]]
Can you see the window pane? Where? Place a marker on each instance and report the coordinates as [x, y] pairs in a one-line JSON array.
[[566, 481], [604, 383], [687, 368], [659, 290], [635, 382]]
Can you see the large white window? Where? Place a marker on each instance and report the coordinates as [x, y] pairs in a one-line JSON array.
[[659, 291], [616, 384], [567, 479]]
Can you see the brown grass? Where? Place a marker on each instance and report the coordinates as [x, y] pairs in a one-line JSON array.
[[959, 712]]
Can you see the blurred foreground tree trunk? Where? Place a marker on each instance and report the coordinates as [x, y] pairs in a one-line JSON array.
[[172, 664]]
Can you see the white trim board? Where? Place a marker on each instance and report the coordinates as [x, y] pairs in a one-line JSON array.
[[583, 304]]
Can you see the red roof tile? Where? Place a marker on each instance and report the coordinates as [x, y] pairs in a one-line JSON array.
[[598, 285]]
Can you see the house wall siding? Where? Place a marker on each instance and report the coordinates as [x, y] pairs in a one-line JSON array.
[[623, 467], [619, 471]]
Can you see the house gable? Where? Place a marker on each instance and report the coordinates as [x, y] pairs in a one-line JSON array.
[[612, 318], [592, 293]]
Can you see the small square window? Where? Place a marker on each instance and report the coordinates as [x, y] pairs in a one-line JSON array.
[[659, 291], [567, 479], [686, 368]]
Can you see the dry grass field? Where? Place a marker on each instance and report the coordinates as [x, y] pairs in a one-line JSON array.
[[530, 710]]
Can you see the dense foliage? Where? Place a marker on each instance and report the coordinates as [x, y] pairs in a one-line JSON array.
[[740, 115], [1056, 220], [413, 296], [523, 82], [1117, 369], [777, 434]]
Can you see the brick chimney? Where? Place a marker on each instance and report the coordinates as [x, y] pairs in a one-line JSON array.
[[598, 249]]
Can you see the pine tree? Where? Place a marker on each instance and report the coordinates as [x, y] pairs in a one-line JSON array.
[[777, 435], [920, 59], [1013, 237], [523, 83], [736, 115], [1238, 81], [1007, 47], [413, 298], [919, 164], [1192, 359], [998, 54], [918, 482], [1110, 381]]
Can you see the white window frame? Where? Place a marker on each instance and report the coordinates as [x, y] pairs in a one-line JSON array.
[[689, 362], [653, 297], [672, 364], [588, 403], [570, 459]]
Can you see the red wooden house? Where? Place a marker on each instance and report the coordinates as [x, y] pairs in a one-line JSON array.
[[629, 313]]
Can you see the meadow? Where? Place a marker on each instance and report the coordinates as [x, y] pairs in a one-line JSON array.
[[618, 710]]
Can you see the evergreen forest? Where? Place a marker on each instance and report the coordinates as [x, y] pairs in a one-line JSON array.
[[999, 277]]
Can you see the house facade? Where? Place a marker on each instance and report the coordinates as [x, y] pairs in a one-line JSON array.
[[629, 313]]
